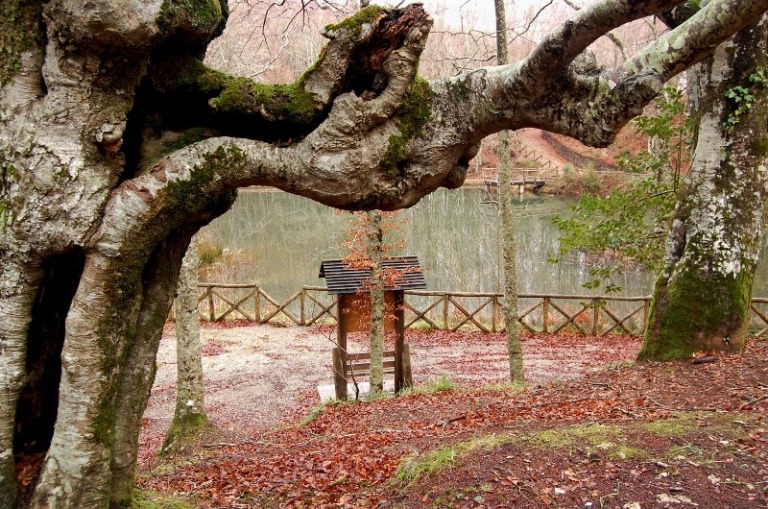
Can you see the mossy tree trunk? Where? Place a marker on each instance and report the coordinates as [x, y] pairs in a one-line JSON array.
[[117, 144], [701, 300], [189, 417]]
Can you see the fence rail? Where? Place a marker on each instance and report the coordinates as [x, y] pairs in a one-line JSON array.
[[549, 313]]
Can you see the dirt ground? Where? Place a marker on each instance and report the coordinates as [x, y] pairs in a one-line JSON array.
[[260, 376], [591, 429]]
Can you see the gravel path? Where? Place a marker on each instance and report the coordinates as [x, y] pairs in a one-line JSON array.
[[263, 376]]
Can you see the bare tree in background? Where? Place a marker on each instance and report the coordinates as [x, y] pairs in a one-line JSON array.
[[509, 246]]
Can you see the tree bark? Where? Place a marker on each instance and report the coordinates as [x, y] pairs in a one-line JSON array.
[[189, 416], [701, 300], [135, 385], [18, 290], [509, 245], [103, 165], [374, 245]]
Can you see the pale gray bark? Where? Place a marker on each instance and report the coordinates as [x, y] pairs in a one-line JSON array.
[[17, 290], [139, 372], [70, 177], [189, 415], [702, 297], [509, 245]]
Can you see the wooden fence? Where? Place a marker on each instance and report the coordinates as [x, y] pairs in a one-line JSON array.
[[590, 315]]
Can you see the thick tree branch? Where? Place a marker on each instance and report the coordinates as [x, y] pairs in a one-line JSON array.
[[610, 35], [582, 101], [696, 38], [388, 150], [182, 87], [547, 62]]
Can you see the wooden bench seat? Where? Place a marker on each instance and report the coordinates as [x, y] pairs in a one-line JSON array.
[[356, 367]]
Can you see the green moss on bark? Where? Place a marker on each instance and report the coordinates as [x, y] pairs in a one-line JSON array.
[[717, 320], [413, 115], [202, 15], [243, 96], [282, 102], [20, 29], [184, 429], [191, 193], [104, 423], [356, 22]]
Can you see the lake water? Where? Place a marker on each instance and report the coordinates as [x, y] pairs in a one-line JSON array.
[[278, 240]]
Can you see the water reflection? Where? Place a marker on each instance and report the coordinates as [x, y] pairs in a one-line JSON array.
[[278, 241]]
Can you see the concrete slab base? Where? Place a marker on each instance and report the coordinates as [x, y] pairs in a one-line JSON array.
[[328, 392]]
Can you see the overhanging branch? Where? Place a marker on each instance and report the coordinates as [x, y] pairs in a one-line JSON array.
[[555, 53], [696, 38], [181, 88], [388, 149]]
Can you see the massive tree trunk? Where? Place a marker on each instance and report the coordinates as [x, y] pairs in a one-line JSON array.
[[117, 144], [701, 301]]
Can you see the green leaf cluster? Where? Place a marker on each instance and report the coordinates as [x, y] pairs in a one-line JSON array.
[[743, 97], [671, 128], [629, 226], [625, 228]]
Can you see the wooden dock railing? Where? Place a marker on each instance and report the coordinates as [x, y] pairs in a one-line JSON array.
[[548, 313]]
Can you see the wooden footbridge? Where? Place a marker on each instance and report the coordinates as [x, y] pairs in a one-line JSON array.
[[523, 176]]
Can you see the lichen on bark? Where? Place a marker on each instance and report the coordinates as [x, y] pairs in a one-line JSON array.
[[702, 297], [20, 28]]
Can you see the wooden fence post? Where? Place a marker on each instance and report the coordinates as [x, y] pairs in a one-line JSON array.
[[494, 307], [595, 315], [407, 374], [445, 311], [302, 299], [545, 314], [257, 306], [339, 378], [211, 308], [646, 311]]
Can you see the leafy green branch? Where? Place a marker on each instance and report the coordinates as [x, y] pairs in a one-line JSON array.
[[628, 227]]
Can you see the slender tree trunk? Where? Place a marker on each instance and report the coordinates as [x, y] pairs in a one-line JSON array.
[[509, 246], [189, 416], [374, 240], [139, 373], [701, 300]]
